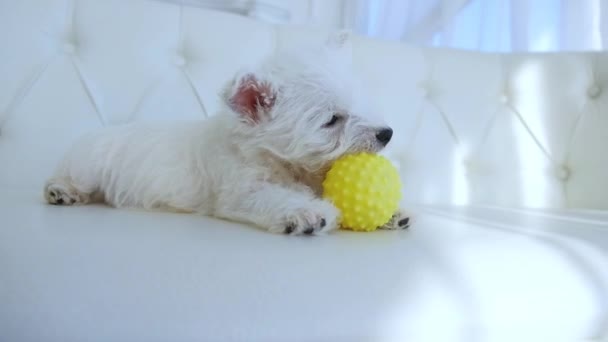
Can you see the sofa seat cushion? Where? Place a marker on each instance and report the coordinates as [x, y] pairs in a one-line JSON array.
[[99, 274]]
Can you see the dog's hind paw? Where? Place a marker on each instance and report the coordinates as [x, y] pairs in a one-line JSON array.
[[60, 193]]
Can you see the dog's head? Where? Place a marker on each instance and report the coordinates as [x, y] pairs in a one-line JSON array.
[[305, 109]]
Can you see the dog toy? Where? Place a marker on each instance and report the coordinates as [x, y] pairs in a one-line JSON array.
[[366, 188]]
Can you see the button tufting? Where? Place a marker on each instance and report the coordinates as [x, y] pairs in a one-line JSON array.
[[179, 61], [563, 173], [594, 91], [69, 48], [470, 166], [426, 90], [504, 98]]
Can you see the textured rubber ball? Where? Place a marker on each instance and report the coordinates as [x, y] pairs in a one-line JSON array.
[[366, 188]]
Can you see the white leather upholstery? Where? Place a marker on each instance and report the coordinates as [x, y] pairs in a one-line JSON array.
[[492, 130], [526, 130], [96, 274]]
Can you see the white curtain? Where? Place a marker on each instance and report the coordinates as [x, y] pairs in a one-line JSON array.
[[408, 20], [488, 25]]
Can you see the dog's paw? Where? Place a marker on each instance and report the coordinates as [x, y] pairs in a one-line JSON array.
[[59, 193], [400, 220], [320, 218]]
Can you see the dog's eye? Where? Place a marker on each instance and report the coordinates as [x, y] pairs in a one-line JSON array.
[[334, 119]]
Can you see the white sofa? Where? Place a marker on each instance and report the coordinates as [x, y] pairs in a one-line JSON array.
[[503, 158]]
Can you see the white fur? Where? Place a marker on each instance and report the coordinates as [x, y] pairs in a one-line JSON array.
[[260, 164]]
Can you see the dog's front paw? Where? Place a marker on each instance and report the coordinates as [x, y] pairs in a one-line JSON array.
[[400, 220], [321, 217]]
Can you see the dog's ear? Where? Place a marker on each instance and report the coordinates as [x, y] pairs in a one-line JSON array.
[[251, 98]]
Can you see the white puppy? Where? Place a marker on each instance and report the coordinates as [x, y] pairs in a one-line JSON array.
[[261, 160]]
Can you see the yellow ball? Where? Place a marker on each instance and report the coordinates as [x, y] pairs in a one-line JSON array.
[[366, 188]]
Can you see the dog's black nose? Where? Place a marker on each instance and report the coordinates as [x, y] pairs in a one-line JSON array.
[[384, 136]]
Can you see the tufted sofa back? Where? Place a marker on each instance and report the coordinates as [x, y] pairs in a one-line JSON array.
[[518, 130]]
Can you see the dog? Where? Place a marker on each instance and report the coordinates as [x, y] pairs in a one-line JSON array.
[[260, 161]]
